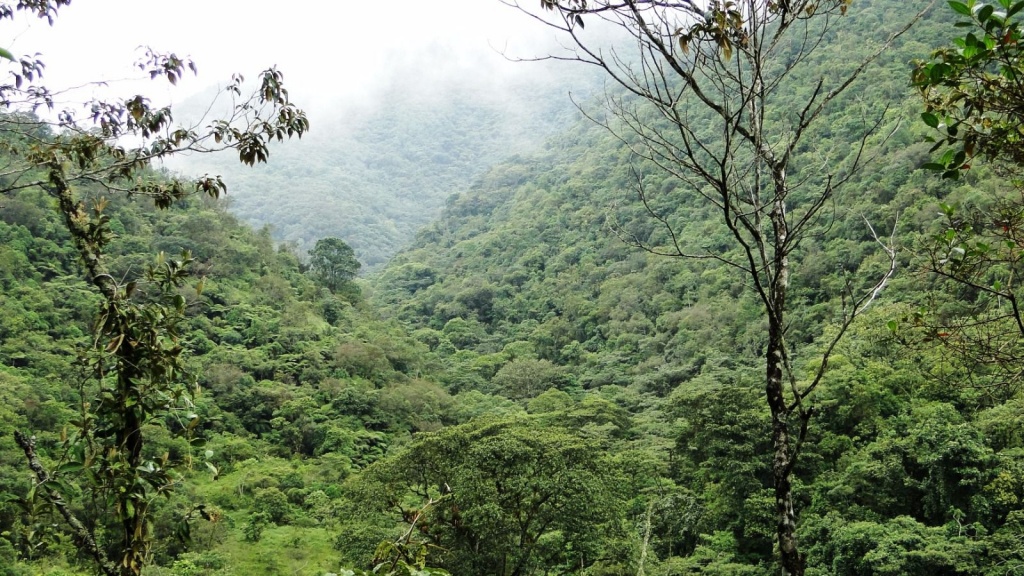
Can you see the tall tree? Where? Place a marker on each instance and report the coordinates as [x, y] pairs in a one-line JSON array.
[[701, 102], [134, 363], [333, 262]]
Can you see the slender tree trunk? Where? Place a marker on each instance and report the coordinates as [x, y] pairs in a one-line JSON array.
[[134, 538], [732, 61], [82, 536], [647, 539], [790, 559]]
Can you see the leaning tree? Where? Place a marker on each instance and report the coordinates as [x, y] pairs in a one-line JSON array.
[[705, 97]]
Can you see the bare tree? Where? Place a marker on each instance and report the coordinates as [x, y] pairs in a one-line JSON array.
[[703, 84]]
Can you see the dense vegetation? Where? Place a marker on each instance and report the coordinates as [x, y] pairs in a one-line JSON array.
[[522, 392], [286, 368]]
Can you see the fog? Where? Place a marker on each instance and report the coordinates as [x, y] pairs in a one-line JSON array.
[[409, 101], [330, 51]]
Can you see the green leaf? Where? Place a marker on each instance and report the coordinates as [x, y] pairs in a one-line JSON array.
[[61, 487], [960, 7], [6, 54], [985, 13], [930, 119], [936, 72], [70, 467], [892, 325]]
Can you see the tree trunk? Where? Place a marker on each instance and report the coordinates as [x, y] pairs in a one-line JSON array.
[[790, 559], [789, 555], [134, 537]]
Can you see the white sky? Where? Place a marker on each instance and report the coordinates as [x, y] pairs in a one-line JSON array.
[[327, 49]]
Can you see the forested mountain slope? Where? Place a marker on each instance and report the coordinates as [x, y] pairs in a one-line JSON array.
[[295, 383], [540, 250], [529, 282]]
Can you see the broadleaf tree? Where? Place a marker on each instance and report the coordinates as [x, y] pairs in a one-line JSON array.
[[973, 96], [972, 90], [333, 263], [508, 496], [698, 99], [133, 364]]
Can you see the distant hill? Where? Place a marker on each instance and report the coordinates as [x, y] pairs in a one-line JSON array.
[[374, 171]]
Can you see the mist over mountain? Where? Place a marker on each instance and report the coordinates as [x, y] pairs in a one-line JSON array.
[[379, 165]]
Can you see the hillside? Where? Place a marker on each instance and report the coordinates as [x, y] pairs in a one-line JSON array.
[[296, 382], [540, 250], [529, 281]]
